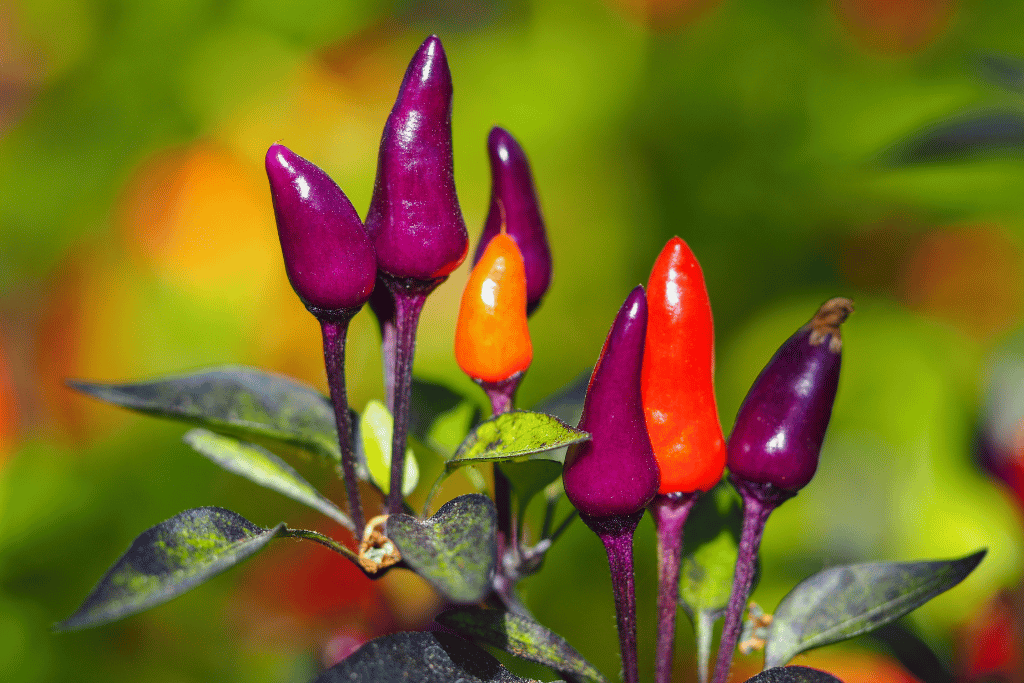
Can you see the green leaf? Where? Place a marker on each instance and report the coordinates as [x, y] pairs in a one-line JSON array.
[[566, 404], [264, 468], [375, 429], [528, 478], [519, 636], [439, 416], [843, 602], [455, 550], [420, 657], [710, 548], [241, 401], [515, 435], [793, 674], [169, 559]]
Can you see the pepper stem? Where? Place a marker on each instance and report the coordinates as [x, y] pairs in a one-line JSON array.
[[409, 296], [616, 533], [502, 396], [383, 306], [670, 512], [334, 330], [759, 501]]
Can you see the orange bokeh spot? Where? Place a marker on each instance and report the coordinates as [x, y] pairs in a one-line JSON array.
[[664, 15], [849, 666], [968, 276], [9, 414], [82, 336], [202, 219], [895, 26]]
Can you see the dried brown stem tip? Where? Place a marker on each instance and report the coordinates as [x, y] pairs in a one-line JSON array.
[[377, 552], [827, 321]]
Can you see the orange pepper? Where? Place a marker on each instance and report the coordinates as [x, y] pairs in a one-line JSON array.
[[492, 340], [678, 372]]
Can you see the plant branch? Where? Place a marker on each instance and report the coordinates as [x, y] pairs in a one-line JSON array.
[[334, 332], [409, 297], [670, 512], [759, 501], [502, 396], [616, 533], [563, 526]]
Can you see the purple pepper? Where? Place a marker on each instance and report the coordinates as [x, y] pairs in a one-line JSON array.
[[782, 421], [414, 217], [615, 473], [328, 255], [331, 264], [514, 199]]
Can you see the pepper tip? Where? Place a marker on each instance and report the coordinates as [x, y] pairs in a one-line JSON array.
[[827, 321]]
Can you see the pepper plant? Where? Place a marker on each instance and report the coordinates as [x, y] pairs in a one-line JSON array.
[[647, 435]]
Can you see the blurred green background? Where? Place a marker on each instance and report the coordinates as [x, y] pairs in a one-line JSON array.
[[804, 149]]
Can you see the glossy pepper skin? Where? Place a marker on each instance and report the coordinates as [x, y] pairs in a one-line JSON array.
[[414, 217], [615, 473], [328, 255], [678, 374], [492, 339], [514, 204], [781, 423]]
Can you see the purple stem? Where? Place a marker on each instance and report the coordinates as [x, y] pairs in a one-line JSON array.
[[410, 295], [334, 331], [670, 512], [759, 501], [388, 343], [617, 535], [383, 306], [502, 395]]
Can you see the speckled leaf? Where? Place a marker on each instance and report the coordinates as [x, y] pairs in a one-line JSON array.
[[519, 636], [420, 657], [567, 405], [710, 543], [236, 400], [843, 602], [264, 468], [515, 435], [793, 674], [455, 550], [169, 559]]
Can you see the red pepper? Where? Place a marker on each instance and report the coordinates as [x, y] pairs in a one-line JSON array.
[[679, 362], [492, 340]]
